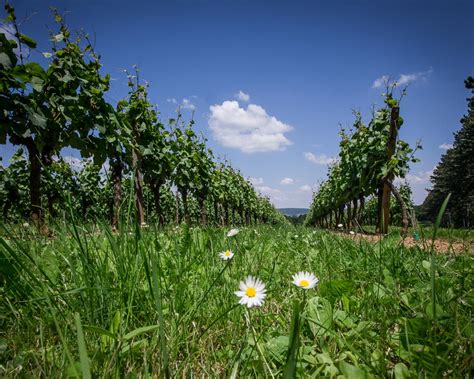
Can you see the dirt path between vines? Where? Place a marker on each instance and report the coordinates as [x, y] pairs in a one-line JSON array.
[[440, 245]]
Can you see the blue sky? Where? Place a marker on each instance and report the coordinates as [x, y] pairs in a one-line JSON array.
[[300, 68]]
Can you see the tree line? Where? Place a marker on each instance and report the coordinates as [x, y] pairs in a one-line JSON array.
[[455, 174]]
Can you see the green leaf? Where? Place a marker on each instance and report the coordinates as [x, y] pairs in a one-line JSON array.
[[379, 290], [434, 311], [28, 41], [47, 55], [66, 78], [5, 61], [73, 370], [100, 331], [38, 120], [392, 102], [35, 69], [139, 331], [388, 279], [401, 371], [277, 346], [37, 83], [352, 372], [426, 265], [334, 289], [320, 316], [342, 319], [134, 345], [84, 359], [328, 363], [291, 358]]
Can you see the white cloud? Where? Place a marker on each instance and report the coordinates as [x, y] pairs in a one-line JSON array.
[[422, 177], [9, 31], [445, 146], [419, 182], [408, 78], [287, 181], [250, 130], [288, 197], [296, 198], [256, 181], [276, 196], [379, 82], [403, 79], [321, 159], [306, 188], [186, 104], [266, 190], [242, 96]]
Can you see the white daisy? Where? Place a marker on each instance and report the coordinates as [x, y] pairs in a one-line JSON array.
[[252, 292], [305, 280], [232, 232], [226, 255]]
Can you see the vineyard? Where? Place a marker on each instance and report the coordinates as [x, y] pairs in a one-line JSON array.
[[64, 105], [150, 257], [370, 159]]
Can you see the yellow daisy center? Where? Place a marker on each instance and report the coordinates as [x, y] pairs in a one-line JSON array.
[[304, 283], [227, 253], [251, 292]]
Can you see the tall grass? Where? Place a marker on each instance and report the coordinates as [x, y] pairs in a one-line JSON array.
[[90, 302]]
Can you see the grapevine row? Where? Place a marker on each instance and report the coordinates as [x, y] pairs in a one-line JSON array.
[[45, 109], [371, 157]]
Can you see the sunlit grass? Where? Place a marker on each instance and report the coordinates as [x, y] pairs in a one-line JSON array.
[[153, 302]]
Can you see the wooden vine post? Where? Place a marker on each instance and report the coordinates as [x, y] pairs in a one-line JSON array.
[[138, 187], [391, 145]]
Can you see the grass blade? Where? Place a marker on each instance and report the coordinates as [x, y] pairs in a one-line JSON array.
[[83, 357], [157, 295], [139, 331], [291, 358], [433, 276]]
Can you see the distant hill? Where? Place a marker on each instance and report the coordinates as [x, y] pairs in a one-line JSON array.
[[293, 211]]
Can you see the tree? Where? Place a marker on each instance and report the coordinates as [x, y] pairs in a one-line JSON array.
[[47, 109], [14, 187], [455, 174], [370, 158], [158, 163], [139, 118], [185, 175]]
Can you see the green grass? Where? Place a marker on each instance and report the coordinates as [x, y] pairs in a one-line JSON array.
[[91, 303]]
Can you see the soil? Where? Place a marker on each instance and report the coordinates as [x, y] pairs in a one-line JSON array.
[[440, 245]]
